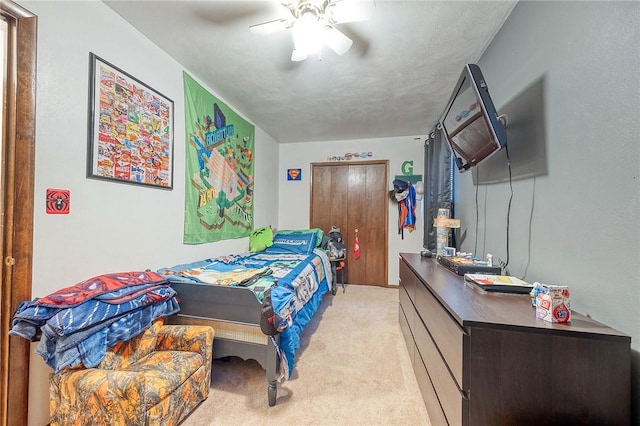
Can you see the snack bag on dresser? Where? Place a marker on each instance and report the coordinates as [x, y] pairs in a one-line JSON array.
[[553, 303]]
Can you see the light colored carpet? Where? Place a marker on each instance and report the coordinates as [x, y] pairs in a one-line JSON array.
[[352, 368]]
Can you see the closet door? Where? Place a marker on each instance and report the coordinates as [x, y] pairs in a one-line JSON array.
[[329, 197], [354, 196]]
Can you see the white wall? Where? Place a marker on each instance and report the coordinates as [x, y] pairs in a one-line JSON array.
[[579, 225], [295, 196], [111, 227]]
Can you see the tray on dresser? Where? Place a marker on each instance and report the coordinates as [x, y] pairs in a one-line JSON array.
[[498, 283]]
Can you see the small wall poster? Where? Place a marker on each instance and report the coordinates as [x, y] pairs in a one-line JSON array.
[[58, 201], [294, 174]]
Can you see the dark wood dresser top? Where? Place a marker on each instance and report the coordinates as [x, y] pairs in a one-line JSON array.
[[470, 306]]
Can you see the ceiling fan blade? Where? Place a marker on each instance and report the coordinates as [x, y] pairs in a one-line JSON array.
[[270, 26], [298, 55], [343, 11], [337, 41], [227, 13]]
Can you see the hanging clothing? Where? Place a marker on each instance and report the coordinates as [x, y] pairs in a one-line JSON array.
[[356, 247], [407, 210]]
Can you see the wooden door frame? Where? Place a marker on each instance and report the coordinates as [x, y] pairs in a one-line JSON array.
[[18, 169], [385, 163]]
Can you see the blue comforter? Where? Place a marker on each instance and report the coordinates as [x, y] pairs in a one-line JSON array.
[[302, 281]]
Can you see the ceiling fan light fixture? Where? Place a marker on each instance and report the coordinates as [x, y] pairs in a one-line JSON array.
[[312, 24], [298, 55], [270, 27], [308, 33], [337, 41]]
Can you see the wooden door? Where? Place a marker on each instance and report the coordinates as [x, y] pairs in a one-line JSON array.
[[354, 196], [16, 203]]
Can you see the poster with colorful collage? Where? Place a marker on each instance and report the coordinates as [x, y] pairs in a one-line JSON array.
[[131, 129], [219, 168]]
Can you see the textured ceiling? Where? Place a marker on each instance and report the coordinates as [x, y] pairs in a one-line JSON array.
[[395, 80]]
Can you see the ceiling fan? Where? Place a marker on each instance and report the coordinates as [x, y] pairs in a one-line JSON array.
[[312, 23]]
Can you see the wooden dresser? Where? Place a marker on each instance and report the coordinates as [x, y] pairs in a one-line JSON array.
[[484, 359]]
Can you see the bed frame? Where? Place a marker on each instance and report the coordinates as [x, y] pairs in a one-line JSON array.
[[234, 313]]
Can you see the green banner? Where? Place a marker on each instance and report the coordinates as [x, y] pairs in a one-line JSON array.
[[219, 168]]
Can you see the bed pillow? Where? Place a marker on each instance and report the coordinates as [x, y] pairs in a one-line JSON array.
[[319, 233], [297, 243], [260, 239]]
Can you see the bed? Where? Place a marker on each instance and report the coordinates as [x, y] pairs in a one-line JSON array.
[[227, 293]]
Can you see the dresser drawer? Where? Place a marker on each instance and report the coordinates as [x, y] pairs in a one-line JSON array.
[[406, 332], [436, 415], [450, 397], [405, 302], [445, 331], [409, 281]]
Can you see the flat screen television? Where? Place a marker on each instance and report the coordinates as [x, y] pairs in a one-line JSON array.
[[470, 123]]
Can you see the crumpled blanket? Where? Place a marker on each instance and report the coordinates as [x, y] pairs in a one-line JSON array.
[[31, 318], [114, 287], [77, 324], [89, 346]]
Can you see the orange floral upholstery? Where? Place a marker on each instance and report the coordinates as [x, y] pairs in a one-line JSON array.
[[155, 378]]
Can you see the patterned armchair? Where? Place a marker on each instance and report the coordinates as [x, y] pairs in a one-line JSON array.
[[155, 378]]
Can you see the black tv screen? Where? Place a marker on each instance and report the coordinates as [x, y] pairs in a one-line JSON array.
[[526, 132], [470, 122]]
